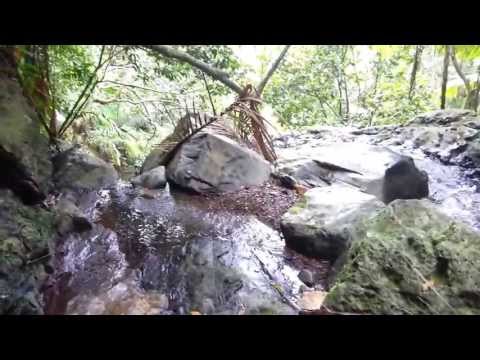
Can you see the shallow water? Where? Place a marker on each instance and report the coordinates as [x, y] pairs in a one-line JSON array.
[[166, 244]]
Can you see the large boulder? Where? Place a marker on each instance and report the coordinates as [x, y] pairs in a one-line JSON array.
[[409, 259], [356, 164], [213, 163], [76, 169], [320, 224]]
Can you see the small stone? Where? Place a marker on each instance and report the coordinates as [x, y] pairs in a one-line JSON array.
[[312, 300], [307, 277]]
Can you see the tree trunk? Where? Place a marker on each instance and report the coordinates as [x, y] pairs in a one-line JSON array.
[[215, 73], [416, 65], [445, 76]]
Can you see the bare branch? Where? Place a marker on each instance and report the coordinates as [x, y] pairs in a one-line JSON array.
[[274, 67], [215, 73]]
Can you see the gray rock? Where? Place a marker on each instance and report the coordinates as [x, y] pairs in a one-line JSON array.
[[409, 259], [21, 132], [152, 179], [473, 152], [404, 181], [77, 169], [307, 277], [442, 117], [344, 163], [69, 218], [214, 163], [320, 224]]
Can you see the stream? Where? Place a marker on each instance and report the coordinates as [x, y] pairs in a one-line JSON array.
[[164, 252]]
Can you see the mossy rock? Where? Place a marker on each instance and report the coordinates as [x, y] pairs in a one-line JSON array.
[[409, 259], [26, 233]]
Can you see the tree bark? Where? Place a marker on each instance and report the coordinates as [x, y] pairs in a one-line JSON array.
[[445, 76], [416, 65], [215, 73], [270, 72], [471, 102], [459, 71]]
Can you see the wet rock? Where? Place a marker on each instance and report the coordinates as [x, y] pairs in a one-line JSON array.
[[69, 218], [125, 298], [356, 164], [152, 179], [320, 224], [285, 180], [78, 170], [409, 259], [473, 152], [307, 277], [213, 163], [404, 181]]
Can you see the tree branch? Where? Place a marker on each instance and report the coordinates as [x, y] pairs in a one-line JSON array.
[[270, 72], [215, 73]]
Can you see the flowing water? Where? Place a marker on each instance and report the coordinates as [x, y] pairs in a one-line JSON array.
[[164, 252], [166, 249]]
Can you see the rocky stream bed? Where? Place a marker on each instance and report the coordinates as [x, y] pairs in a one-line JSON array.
[[382, 220]]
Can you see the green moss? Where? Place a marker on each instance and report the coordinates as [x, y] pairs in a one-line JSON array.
[[393, 256]]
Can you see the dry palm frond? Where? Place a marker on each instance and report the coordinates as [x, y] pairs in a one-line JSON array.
[[186, 128], [250, 125]]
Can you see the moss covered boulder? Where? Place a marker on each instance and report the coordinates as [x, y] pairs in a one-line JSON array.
[[409, 259], [25, 245]]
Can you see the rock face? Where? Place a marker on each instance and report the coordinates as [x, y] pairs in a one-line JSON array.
[[152, 179], [25, 230], [20, 133], [214, 163], [376, 170], [76, 169], [409, 259], [320, 225]]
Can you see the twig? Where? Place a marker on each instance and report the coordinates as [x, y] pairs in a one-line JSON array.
[[280, 292], [433, 288]]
